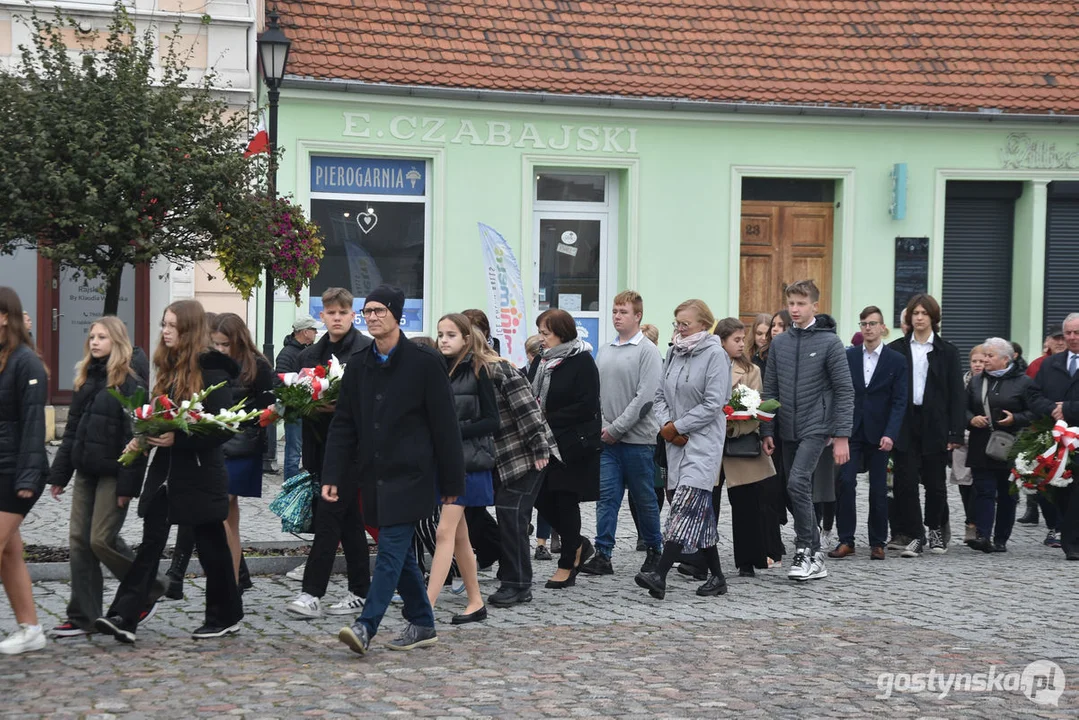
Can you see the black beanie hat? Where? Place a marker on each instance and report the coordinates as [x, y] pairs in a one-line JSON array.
[[393, 298]]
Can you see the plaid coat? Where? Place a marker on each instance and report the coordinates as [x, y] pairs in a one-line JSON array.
[[523, 435]]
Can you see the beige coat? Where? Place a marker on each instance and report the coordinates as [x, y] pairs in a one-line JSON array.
[[744, 471]]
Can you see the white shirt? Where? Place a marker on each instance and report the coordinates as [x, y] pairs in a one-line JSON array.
[[870, 358], [919, 357]]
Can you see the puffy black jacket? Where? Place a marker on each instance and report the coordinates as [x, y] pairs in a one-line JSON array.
[[1012, 392], [97, 430], [22, 420], [194, 467], [477, 413], [315, 429], [288, 360]]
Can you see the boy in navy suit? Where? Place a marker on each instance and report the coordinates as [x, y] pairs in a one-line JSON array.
[[879, 376]]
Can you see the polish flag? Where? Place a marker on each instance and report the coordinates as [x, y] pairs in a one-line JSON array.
[[260, 143]]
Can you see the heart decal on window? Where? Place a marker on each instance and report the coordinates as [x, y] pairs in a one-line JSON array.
[[367, 220]]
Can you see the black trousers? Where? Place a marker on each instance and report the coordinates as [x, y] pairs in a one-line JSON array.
[[485, 536], [514, 501], [224, 607], [336, 523], [915, 466], [747, 525], [1067, 501], [563, 511]]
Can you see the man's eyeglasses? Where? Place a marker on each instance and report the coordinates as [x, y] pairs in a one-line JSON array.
[[866, 324], [376, 312]]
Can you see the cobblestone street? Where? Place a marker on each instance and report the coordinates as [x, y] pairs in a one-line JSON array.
[[770, 648]]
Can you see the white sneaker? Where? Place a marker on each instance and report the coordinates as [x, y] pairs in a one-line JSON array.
[[799, 565], [349, 605], [458, 586], [25, 639], [816, 568], [305, 605], [296, 573], [828, 540], [913, 550]]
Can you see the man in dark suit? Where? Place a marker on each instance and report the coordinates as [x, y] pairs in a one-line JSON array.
[[879, 376], [934, 424], [1056, 393]]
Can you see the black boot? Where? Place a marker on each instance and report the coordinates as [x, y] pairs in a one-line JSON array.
[[245, 577], [1030, 517], [181, 556]]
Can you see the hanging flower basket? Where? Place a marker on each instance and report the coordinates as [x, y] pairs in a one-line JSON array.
[[260, 229]]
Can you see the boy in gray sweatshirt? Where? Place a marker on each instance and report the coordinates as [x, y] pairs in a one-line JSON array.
[[807, 373], [629, 373]]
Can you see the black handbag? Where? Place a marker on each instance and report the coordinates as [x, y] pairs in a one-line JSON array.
[[743, 446]]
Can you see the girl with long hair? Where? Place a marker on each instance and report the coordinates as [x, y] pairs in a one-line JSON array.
[[757, 350], [775, 488], [97, 430], [186, 484], [462, 345], [23, 464]]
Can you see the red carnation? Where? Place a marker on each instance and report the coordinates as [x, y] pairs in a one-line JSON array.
[[728, 410], [320, 371]]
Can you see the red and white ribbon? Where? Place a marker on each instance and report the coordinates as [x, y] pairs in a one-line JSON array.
[[1066, 439]]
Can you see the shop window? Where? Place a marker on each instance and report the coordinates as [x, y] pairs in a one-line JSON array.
[[570, 187], [373, 216]]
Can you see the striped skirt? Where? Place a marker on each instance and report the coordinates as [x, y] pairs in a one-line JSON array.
[[691, 521], [424, 539]]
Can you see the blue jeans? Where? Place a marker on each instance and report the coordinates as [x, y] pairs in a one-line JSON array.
[[293, 448], [396, 568], [846, 511], [623, 466]]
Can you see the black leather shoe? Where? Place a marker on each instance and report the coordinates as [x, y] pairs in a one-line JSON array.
[[587, 551], [651, 560], [653, 583], [982, 544], [598, 565], [746, 572], [114, 625], [1000, 547], [692, 571], [463, 619], [562, 584], [1072, 555], [505, 597], [716, 585], [1030, 517]]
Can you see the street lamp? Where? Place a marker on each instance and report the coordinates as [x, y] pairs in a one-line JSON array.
[[273, 46]]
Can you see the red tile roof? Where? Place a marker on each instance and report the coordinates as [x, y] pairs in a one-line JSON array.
[[1015, 57]]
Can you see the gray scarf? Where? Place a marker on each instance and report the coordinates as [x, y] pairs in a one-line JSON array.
[[549, 360]]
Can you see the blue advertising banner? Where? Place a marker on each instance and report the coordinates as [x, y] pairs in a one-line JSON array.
[[588, 330], [411, 319], [368, 176]]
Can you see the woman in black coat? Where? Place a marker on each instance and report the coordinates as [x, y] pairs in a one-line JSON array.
[[187, 483], [565, 380], [97, 430], [23, 464], [997, 399]]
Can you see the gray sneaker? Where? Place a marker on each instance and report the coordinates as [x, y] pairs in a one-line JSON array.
[[412, 637], [356, 637]]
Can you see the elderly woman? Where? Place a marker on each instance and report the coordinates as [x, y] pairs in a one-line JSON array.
[[997, 399], [689, 404], [565, 380], [744, 474]]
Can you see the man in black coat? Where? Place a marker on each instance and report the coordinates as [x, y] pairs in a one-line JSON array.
[[396, 427], [304, 331], [934, 424], [340, 522], [1056, 393]]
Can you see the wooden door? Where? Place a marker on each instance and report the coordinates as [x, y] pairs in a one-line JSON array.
[[783, 242]]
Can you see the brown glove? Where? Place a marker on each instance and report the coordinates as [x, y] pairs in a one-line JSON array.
[[668, 433], [680, 440]]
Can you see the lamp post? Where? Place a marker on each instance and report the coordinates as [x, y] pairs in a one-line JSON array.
[[273, 47]]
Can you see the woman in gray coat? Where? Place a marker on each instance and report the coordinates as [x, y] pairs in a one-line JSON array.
[[689, 406]]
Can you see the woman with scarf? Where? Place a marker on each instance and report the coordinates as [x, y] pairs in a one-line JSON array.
[[996, 400], [689, 406], [565, 380]]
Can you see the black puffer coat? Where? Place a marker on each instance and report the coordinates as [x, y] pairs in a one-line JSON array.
[[22, 420], [256, 396], [194, 467], [477, 412], [97, 430]]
